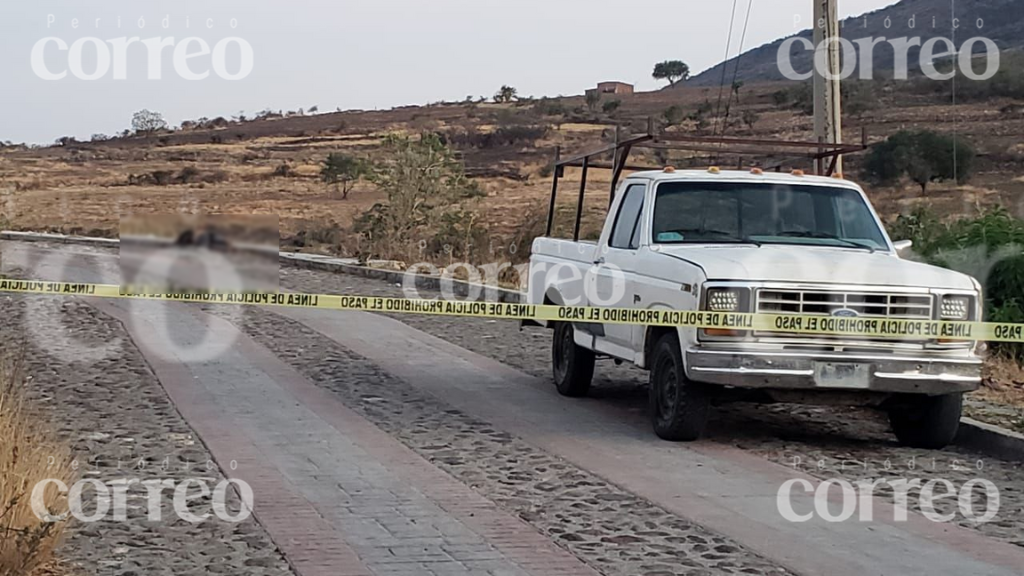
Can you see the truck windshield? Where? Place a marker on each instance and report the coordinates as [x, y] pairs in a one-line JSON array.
[[751, 213]]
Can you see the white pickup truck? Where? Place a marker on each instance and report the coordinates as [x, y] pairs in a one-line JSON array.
[[733, 241]]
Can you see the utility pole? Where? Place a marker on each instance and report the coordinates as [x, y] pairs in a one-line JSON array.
[[828, 120]]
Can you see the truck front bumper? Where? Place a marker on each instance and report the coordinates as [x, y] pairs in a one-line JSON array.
[[909, 374]]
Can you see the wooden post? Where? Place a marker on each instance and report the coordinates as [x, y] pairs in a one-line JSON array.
[[616, 159], [579, 203], [828, 122], [554, 191]]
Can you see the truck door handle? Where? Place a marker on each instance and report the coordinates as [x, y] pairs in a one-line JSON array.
[[599, 261]]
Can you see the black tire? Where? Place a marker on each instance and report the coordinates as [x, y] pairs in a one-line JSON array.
[[679, 408], [929, 422], [573, 366]]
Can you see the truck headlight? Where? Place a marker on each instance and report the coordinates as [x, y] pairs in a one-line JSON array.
[[723, 300], [727, 301], [956, 308]]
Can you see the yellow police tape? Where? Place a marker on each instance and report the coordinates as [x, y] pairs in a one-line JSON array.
[[897, 329]]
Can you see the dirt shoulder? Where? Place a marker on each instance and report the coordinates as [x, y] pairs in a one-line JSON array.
[[90, 381], [1001, 399]]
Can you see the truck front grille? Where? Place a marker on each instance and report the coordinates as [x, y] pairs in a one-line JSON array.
[[828, 302]]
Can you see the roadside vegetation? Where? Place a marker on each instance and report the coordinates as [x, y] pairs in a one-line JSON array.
[[989, 247], [28, 455], [340, 170], [430, 209], [922, 156]]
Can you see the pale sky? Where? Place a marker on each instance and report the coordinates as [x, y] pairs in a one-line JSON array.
[[357, 54]]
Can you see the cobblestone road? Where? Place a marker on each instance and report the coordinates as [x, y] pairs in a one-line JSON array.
[[843, 443], [393, 511], [121, 426], [611, 529]]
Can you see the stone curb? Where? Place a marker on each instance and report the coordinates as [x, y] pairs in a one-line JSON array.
[[984, 438], [58, 238], [316, 262], [348, 266], [991, 440]]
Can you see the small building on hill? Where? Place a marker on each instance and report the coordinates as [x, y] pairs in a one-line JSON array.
[[612, 88]]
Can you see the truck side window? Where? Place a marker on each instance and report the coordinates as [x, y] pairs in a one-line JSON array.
[[626, 232]]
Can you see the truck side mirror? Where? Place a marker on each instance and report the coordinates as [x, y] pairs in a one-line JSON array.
[[902, 246]]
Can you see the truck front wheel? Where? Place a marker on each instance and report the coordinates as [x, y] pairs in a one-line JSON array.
[[679, 407], [929, 422], [573, 365]]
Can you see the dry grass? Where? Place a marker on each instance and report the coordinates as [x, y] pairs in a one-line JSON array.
[[28, 455], [83, 189], [1004, 382]]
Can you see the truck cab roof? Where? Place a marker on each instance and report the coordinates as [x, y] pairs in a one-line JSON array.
[[741, 176]]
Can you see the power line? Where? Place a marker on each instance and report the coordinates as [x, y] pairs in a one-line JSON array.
[[736, 71], [956, 167], [725, 65]]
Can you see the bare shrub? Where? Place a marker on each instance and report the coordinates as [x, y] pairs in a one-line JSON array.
[[188, 175], [533, 225], [503, 136], [323, 233], [429, 212], [549, 107], [28, 455], [36, 183], [214, 177]]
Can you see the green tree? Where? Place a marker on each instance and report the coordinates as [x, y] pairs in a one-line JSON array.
[[923, 156], [428, 202], [698, 116], [593, 97], [147, 122], [781, 98], [671, 70], [736, 87], [505, 94], [342, 171], [673, 115], [611, 106], [802, 97], [750, 118]]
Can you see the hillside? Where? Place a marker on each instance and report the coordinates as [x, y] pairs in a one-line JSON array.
[[1003, 23], [272, 165]]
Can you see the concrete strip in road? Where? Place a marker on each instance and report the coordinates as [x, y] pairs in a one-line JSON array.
[[312, 546], [338, 496], [722, 488]]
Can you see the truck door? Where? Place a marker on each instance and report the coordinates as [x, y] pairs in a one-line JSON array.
[[612, 276]]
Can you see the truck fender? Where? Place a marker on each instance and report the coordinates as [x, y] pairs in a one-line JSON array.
[[651, 337], [553, 298], [652, 334]]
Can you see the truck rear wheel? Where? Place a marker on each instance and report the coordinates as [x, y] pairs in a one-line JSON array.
[[679, 407], [929, 422], [573, 365]]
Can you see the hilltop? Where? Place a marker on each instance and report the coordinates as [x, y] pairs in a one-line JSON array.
[[1002, 22]]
